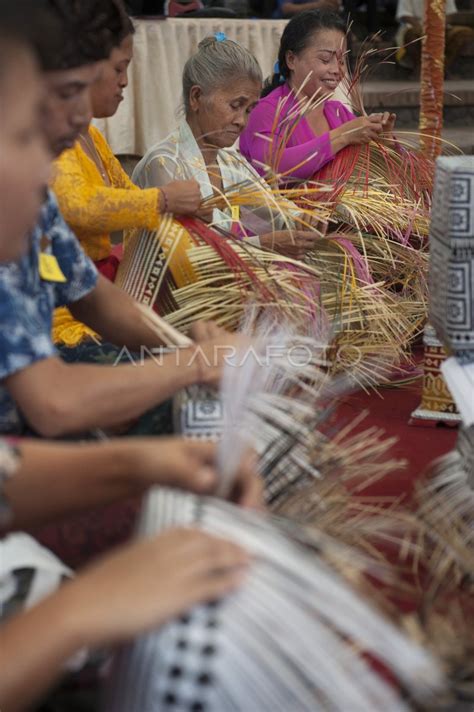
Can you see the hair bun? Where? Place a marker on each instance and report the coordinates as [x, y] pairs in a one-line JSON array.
[[207, 42]]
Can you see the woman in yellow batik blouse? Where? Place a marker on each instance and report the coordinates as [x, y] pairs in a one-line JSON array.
[[96, 196]]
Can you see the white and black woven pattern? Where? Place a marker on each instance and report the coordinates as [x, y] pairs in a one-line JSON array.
[[285, 431], [270, 401], [287, 640], [181, 678], [198, 413], [281, 439], [452, 255]]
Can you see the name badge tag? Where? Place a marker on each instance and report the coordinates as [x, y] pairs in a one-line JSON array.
[[49, 268]]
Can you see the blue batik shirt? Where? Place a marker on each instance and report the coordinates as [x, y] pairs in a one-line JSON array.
[[27, 302]]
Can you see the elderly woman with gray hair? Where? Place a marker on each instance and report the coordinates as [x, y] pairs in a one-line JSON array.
[[222, 82]]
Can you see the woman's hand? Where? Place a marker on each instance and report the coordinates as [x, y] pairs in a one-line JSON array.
[[180, 197], [147, 583], [292, 243], [357, 132], [247, 487], [206, 215], [133, 590], [210, 356], [189, 465], [388, 123], [204, 330], [172, 462], [316, 225]]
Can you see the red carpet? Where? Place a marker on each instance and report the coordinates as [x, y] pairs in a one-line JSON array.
[[390, 409]]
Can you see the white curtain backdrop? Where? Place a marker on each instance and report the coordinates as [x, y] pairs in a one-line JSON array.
[[153, 97], [152, 101]]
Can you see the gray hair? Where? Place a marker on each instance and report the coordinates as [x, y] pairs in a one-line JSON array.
[[215, 63]]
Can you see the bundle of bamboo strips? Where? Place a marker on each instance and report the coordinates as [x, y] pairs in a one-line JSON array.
[[224, 274], [364, 319], [409, 555]]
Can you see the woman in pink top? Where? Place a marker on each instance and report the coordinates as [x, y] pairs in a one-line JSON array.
[[311, 64]]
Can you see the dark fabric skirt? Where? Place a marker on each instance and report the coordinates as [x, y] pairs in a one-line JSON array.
[[157, 421]]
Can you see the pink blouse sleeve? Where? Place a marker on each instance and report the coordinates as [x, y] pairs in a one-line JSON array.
[[261, 144]]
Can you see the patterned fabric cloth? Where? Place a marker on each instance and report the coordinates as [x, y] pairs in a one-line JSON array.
[[28, 574], [27, 301], [69, 331], [94, 209]]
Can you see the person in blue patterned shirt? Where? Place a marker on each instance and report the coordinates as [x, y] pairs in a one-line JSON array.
[[87, 612], [27, 302], [38, 389]]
